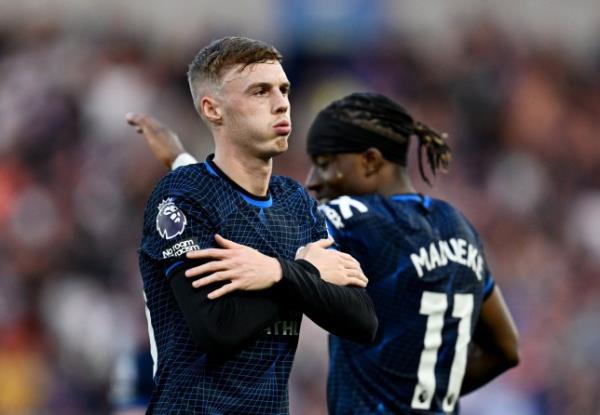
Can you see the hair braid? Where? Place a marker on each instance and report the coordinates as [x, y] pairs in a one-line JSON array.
[[383, 116], [438, 152]]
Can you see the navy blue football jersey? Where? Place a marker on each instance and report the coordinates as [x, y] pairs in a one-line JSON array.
[[187, 208], [427, 278]]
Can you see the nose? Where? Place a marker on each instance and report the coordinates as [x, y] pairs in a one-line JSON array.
[[313, 181], [281, 103]]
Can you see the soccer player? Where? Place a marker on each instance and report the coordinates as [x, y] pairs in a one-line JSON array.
[[444, 329], [429, 279], [227, 347]]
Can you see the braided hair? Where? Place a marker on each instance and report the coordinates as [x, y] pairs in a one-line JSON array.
[[380, 115]]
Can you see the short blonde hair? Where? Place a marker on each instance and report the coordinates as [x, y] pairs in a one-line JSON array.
[[211, 61]]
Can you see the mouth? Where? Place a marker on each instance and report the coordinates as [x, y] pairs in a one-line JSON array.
[[283, 127]]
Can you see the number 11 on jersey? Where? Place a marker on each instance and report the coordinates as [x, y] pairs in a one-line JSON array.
[[434, 306]]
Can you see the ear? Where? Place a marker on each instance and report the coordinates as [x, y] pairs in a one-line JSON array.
[[372, 161], [211, 110]]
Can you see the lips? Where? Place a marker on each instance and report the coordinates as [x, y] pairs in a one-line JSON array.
[[283, 127]]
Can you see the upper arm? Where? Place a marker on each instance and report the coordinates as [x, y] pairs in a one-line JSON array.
[[496, 330], [319, 228], [175, 223], [222, 325]]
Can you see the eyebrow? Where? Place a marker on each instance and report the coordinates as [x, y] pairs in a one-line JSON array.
[[266, 85]]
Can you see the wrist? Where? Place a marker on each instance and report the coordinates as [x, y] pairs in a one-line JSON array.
[[183, 159], [278, 271]]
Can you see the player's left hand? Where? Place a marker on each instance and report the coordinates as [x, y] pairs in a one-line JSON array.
[[245, 268], [335, 267]]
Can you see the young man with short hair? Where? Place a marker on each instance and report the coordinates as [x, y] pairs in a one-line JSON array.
[[224, 343]]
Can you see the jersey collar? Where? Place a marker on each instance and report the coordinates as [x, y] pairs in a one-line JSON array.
[[414, 197], [258, 201]]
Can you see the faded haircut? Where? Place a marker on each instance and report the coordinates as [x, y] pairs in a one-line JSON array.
[[212, 61]]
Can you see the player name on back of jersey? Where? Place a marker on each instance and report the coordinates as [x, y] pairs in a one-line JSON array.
[[438, 253]]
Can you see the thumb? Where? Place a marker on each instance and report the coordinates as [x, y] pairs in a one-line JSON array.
[[324, 243], [225, 243]]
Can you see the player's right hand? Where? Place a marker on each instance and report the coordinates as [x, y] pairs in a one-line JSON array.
[[244, 268], [163, 142], [335, 267]]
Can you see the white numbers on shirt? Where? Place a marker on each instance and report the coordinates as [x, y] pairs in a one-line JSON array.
[[434, 305]]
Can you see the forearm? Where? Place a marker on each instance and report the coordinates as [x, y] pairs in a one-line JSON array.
[[482, 367], [223, 325], [495, 345], [347, 312]]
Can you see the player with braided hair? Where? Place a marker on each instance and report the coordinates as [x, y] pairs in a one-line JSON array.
[[444, 329]]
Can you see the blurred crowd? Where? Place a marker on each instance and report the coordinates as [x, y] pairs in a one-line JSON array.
[[522, 118]]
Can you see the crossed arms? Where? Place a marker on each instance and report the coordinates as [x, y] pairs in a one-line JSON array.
[[229, 294]]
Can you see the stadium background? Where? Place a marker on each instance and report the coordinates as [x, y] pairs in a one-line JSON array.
[[516, 86]]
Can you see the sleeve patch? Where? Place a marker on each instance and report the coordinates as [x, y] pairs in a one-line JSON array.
[[170, 220], [181, 248]]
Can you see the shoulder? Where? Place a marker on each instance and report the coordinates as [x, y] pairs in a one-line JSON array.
[[287, 188], [183, 180], [191, 183], [346, 211], [448, 213], [286, 184], [184, 189]]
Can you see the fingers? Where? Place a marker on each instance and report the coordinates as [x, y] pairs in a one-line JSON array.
[[132, 118], [141, 121], [323, 243], [358, 274], [350, 263], [209, 267], [356, 282], [136, 118], [211, 279], [348, 257], [356, 278], [227, 288], [215, 253], [226, 243]]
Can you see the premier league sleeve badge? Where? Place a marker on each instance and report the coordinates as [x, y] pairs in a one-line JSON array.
[[170, 220]]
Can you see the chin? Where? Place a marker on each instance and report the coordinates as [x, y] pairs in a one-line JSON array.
[[280, 145]]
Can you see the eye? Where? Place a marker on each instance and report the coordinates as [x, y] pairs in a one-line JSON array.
[[261, 92], [285, 90], [322, 163]]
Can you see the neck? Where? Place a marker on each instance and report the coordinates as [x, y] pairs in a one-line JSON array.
[[395, 181], [249, 172]]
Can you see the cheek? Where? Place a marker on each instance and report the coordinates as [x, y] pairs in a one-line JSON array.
[[242, 108], [336, 180]]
